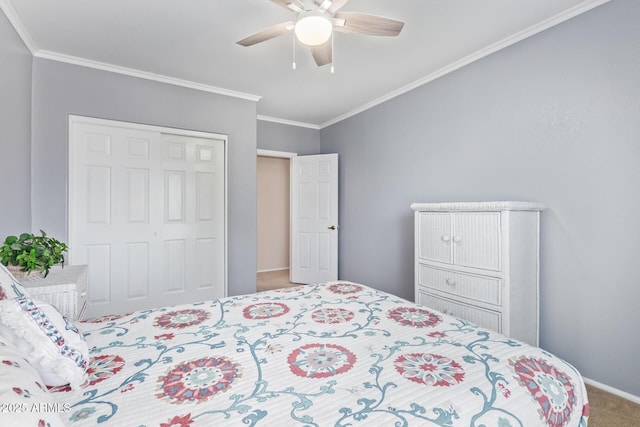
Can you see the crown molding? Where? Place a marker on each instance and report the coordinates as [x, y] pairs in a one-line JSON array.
[[54, 56], [288, 122], [585, 6], [11, 14], [572, 12], [14, 19]]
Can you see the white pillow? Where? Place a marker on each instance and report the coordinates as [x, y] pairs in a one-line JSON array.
[[49, 341], [25, 399], [9, 285]]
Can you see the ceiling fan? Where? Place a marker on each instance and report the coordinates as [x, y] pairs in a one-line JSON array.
[[315, 22]]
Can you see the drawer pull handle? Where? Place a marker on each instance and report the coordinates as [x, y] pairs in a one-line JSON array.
[[457, 239], [83, 294], [446, 238], [451, 282]]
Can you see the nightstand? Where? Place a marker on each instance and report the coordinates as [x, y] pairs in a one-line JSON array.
[[64, 288]]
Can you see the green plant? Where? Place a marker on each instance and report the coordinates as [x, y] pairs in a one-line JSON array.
[[33, 252]]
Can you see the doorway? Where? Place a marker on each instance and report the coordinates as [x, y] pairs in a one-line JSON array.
[[312, 215], [273, 171]]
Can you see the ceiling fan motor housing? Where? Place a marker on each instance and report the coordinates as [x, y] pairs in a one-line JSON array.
[[313, 28]]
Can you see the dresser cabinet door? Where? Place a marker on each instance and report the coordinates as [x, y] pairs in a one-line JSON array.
[[435, 237], [476, 240]]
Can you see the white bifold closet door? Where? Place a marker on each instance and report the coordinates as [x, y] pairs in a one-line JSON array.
[[147, 214]]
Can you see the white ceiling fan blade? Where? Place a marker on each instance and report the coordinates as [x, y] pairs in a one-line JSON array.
[[329, 5], [267, 33], [323, 53], [294, 5], [337, 4], [370, 25]]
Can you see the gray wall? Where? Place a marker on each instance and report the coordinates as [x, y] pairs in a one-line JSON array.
[[553, 119], [15, 132], [292, 139], [61, 89]]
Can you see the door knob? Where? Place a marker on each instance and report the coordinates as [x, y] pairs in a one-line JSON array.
[[333, 227]]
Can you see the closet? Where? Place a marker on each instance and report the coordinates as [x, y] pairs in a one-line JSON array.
[[147, 213]]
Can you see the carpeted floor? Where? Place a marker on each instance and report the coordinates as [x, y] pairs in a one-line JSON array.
[[608, 410], [269, 280], [605, 409]]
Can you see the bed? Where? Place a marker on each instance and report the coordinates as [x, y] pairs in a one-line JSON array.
[[333, 354]]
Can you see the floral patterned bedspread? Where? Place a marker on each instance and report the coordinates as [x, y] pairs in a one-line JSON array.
[[333, 354]]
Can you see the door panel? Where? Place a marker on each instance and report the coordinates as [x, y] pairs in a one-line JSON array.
[[206, 251], [138, 189], [98, 204], [137, 270], [314, 209], [174, 265], [147, 213], [324, 251], [99, 275], [205, 202]]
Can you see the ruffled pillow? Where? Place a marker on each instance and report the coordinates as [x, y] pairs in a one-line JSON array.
[[9, 285], [50, 342], [25, 400]]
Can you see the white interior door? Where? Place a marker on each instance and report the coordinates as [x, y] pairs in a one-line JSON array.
[[147, 214], [314, 218]]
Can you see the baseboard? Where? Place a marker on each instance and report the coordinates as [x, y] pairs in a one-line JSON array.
[[273, 269], [609, 389]]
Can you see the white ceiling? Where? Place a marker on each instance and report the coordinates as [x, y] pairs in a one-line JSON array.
[[193, 43]]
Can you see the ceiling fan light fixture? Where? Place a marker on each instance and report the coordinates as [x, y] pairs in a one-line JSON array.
[[313, 29]]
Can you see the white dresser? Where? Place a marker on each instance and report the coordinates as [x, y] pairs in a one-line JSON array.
[[479, 262], [64, 288]]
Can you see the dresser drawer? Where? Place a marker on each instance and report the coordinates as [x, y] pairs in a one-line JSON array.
[[485, 318], [479, 288]]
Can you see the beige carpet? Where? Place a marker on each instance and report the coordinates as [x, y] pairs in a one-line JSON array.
[[269, 280], [608, 410]]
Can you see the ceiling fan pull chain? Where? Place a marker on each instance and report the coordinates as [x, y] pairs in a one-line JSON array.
[[333, 58], [293, 65]]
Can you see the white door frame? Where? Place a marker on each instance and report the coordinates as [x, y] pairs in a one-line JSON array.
[[272, 153], [73, 119]]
